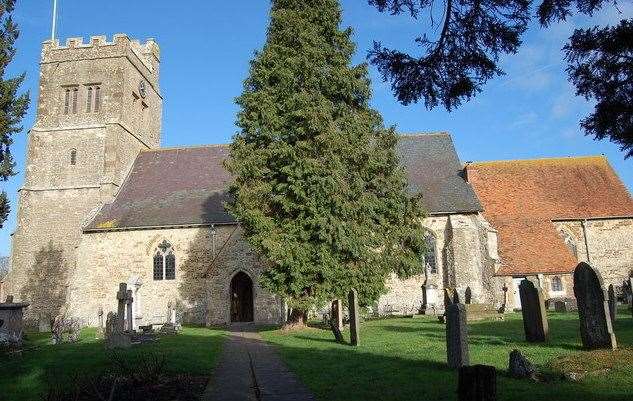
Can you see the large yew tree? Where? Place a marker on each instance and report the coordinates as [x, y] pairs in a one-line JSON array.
[[13, 105], [318, 188]]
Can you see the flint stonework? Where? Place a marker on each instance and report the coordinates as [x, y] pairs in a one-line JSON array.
[[354, 325], [596, 330], [534, 312], [456, 336]]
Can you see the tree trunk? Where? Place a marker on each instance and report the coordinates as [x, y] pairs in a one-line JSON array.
[[296, 320]]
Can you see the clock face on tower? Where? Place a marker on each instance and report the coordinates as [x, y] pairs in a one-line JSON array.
[[141, 89]]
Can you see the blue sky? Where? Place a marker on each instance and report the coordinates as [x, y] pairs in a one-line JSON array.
[[206, 46]]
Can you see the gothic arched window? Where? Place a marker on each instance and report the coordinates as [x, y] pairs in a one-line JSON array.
[[570, 242], [430, 259], [73, 157], [557, 284], [164, 262]]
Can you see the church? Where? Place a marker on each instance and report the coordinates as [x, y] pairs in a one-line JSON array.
[[102, 203]]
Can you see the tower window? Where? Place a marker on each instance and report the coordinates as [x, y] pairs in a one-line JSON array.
[[73, 157], [75, 95], [93, 99], [67, 101], [164, 262], [89, 100]]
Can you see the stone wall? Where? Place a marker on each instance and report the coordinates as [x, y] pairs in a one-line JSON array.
[[200, 291], [610, 243], [466, 257]]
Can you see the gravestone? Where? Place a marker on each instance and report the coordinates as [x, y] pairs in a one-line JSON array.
[[354, 325], [631, 287], [121, 297], [115, 337], [456, 336], [504, 302], [130, 315], [533, 311], [613, 304], [519, 367], [337, 313], [338, 336], [468, 295], [560, 306], [596, 329], [12, 323], [477, 383]]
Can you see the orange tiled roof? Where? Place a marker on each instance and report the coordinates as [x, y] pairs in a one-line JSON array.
[[521, 198]]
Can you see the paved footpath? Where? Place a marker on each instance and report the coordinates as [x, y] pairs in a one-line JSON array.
[[251, 370]]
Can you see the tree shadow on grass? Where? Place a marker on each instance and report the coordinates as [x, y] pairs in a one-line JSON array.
[[25, 376], [337, 372]]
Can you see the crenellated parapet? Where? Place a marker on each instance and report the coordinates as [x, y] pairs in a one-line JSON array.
[[98, 47]]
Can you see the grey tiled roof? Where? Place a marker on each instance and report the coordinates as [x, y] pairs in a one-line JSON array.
[[187, 186]]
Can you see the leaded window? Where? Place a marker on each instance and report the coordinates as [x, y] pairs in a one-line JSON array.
[[170, 266], [164, 262], [158, 266], [430, 259], [557, 284], [89, 100]]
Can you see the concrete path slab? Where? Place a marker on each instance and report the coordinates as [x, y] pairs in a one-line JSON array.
[[251, 370]]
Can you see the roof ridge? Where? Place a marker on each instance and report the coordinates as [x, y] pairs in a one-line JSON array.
[[423, 133], [184, 147], [540, 159]]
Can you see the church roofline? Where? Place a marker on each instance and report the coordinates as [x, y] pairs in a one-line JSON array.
[[93, 230]]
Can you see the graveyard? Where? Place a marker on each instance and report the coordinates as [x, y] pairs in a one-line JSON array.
[[396, 359]]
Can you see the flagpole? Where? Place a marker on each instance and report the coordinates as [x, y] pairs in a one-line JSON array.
[[54, 20]]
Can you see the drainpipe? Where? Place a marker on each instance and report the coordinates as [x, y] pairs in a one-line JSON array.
[[583, 223]]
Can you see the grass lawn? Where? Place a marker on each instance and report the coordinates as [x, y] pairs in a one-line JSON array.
[[405, 359], [24, 377]]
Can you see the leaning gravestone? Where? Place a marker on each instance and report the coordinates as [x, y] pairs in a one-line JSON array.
[[533, 311], [596, 329], [456, 336], [477, 383], [353, 317], [613, 304]]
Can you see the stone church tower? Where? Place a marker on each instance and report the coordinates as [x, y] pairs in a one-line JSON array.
[[99, 105]]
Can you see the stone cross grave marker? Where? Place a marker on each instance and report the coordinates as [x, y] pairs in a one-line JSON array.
[[114, 335], [130, 318], [504, 303], [613, 304], [533, 311], [456, 336], [354, 325], [477, 383], [121, 297], [596, 329], [337, 313]]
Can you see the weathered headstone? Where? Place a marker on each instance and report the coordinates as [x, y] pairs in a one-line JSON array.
[[613, 303], [338, 336], [337, 313], [456, 336], [533, 311], [596, 330], [354, 325], [468, 295], [519, 367], [115, 337], [560, 306], [477, 383]]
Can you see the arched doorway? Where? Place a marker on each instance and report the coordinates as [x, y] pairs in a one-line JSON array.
[[241, 298]]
